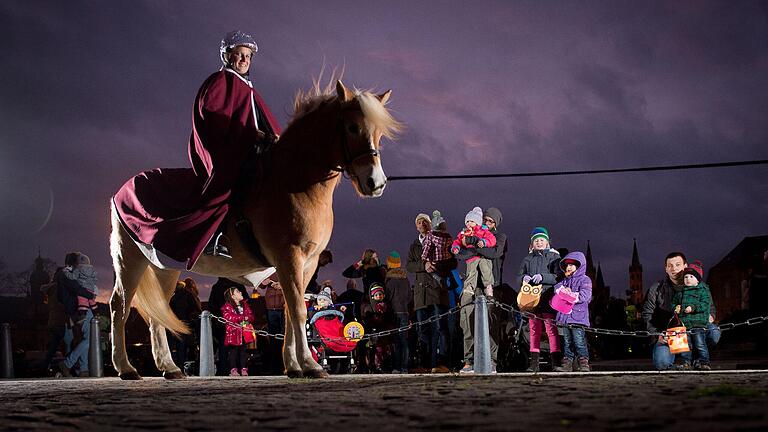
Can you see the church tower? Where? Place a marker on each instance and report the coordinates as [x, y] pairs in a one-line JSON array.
[[591, 271], [635, 292]]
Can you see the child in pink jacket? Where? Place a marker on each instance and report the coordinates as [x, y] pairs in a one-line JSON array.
[[474, 236]]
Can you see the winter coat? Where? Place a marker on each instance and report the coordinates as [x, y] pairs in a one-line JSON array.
[[369, 275], [656, 308], [426, 290], [185, 306], [481, 233], [85, 275], [67, 292], [698, 298], [546, 263], [398, 290], [234, 334], [495, 253], [579, 283]]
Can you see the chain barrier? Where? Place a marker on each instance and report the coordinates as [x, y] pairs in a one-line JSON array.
[[367, 336], [509, 308], [634, 333], [225, 321]]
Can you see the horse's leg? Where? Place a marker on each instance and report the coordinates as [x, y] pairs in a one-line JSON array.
[[160, 350], [292, 367], [310, 368], [296, 355], [129, 265]]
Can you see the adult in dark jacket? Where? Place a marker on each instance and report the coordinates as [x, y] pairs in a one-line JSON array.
[[58, 328], [67, 293], [541, 267], [369, 269], [657, 308], [398, 292], [429, 297], [492, 218], [325, 258], [186, 306]]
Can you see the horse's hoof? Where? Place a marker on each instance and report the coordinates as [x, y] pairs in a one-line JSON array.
[[174, 375], [294, 374], [130, 376], [316, 373]]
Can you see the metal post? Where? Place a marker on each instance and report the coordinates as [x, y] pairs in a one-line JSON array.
[[482, 337], [95, 358], [207, 364], [6, 351]]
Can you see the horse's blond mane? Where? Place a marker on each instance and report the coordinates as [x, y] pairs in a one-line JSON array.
[[374, 111]]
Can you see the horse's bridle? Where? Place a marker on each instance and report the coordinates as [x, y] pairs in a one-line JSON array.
[[350, 159]]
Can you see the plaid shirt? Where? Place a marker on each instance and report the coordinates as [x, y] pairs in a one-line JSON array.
[[436, 246]]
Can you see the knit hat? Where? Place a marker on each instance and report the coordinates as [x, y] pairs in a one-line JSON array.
[[475, 215], [539, 232], [376, 288], [495, 214], [422, 216], [437, 219], [325, 293], [695, 269], [393, 260]]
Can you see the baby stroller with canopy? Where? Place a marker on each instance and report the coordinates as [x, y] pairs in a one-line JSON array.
[[331, 341]]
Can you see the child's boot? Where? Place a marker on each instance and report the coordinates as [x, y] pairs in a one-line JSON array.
[[233, 372], [567, 365], [534, 366], [244, 372], [556, 359], [584, 365]]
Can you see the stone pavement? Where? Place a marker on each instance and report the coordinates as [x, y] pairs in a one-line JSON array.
[[681, 401]]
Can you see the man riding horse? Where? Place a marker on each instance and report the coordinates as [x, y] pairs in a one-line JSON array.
[[180, 212]]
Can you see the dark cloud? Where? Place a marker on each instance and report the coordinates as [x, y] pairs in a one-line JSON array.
[[93, 94]]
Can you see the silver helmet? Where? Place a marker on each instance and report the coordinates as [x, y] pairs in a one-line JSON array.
[[234, 39]]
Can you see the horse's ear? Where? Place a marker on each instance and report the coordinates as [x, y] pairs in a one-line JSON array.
[[343, 93], [384, 97]]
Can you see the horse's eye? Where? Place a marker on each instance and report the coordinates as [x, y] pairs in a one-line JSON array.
[[353, 129]]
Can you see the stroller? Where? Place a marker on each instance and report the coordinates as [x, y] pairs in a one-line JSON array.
[[514, 343], [331, 342]]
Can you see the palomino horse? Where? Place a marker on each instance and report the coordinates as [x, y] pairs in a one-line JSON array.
[[291, 214]]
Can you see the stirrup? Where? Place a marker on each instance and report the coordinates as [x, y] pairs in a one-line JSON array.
[[218, 249]]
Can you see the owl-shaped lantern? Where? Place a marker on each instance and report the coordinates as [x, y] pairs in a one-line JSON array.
[[529, 296]]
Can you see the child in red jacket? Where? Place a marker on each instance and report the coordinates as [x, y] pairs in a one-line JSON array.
[[238, 313], [474, 236]]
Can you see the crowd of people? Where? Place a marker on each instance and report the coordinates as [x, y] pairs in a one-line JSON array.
[[554, 289], [440, 272]]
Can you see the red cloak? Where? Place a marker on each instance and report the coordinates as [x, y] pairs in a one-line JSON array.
[[178, 210]]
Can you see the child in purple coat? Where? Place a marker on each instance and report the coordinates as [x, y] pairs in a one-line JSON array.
[[577, 284]]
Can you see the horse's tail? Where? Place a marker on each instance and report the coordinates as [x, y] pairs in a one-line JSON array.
[[152, 303]]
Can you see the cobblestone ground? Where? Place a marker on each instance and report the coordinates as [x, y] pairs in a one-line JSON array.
[[687, 401]]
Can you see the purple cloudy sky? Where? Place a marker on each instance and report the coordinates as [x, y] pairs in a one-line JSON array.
[[94, 92]]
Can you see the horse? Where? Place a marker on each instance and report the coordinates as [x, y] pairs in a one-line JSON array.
[[291, 215]]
